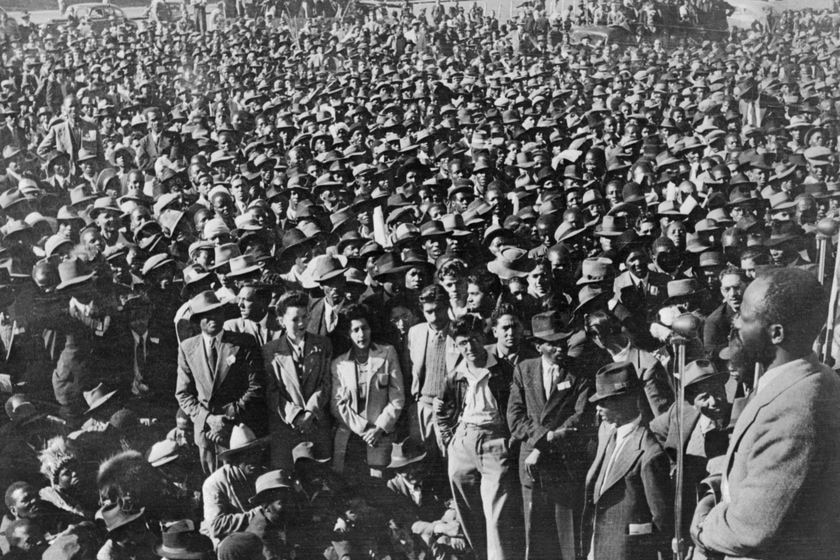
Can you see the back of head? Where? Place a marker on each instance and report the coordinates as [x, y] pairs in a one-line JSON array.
[[793, 298]]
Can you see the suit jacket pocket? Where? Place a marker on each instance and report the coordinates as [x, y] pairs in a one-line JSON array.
[[383, 380]]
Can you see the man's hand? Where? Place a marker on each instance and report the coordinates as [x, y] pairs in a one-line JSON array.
[[216, 422], [305, 422], [371, 436], [531, 463], [704, 506], [559, 434]]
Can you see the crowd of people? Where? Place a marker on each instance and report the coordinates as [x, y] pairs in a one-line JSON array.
[[407, 285]]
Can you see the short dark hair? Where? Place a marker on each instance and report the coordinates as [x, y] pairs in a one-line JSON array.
[[434, 294], [501, 310], [357, 312], [468, 326], [794, 299], [14, 487], [294, 298]]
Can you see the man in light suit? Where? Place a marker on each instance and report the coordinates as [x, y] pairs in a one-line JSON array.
[[256, 319], [71, 134], [298, 369], [781, 480], [628, 512], [431, 354], [220, 380], [550, 414]]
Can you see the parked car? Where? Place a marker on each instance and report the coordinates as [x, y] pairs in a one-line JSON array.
[[98, 16]]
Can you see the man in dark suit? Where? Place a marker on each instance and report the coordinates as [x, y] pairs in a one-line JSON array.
[[704, 430], [550, 414], [298, 369], [781, 481], [325, 312], [718, 324], [639, 287], [220, 380], [628, 513]]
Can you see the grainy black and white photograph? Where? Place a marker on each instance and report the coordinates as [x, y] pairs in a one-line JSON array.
[[419, 279]]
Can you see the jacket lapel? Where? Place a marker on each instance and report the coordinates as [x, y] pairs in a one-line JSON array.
[[346, 369], [199, 365], [603, 438], [534, 384], [627, 457], [377, 362], [287, 371], [557, 396], [227, 356]]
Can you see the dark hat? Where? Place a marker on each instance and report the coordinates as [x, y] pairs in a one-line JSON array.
[[180, 541], [614, 380], [405, 453], [115, 517], [701, 370], [96, 397], [549, 327], [203, 303]]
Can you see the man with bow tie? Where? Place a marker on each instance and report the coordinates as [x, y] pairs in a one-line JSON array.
[[550, 414]]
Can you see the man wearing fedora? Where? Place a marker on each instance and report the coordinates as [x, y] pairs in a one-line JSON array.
[[220, 379], [705, 429], [780, 493], [298, 369], [180, 541], [325, 312], [549, 413], [128, 535], [227, 492], [471, 417], [628, 509], [274, 520]]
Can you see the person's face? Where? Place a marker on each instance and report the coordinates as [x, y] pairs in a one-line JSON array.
[[508, 331], [334, 290], [294, 321], [553, 352], [637, 263], [475, 297], [471, 347], [435, 247], [710, 399], [68, 478], [748, 266], [106, 222], [26, 503], [250, 305], [274, 509], [28, 538], [414, 279], [462, 200], [435, 314], [70, 107], [454, 286], [251, 463], [223, 206], [403, 319], [538, 281], [155, 122], [613, 410], [211, 324], [676, 233], [750, 342], [360, 334], [732, 290], [92, 242]]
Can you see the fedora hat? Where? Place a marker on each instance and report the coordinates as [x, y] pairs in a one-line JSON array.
[[405, 453], [155, 262], [180, 541], [611, 226], [242, 439], [512, 262], [305, 451], [326, 269], [223, 255], [548, 327], [162, 453], [699, 371], [203, 303], [72, 272], [115, 516], [389, 263], [96, 397], [614, 380], [242, 265], [272, 480], [595, 271]]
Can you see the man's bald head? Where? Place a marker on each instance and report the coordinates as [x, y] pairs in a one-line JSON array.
[[793, 299]]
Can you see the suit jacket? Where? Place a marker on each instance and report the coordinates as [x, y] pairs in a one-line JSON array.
[[781, 490], [225, 494], [235, 388], [418, 336], [637, 491], [247, 326], [653, 295], [524, 352], [655, 380], [767, 106], [716, 328], [59, 138], [385, 400], [291, 392], [318, 325], [530, 417]]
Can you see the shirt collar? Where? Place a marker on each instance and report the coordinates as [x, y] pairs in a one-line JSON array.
[[546, 364], [624, 430], [462, 370], [212, 340]]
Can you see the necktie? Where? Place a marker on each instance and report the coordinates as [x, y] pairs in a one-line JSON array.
[[606, 463], [330, 319], [214, 356], [552, 380], [140, 356]]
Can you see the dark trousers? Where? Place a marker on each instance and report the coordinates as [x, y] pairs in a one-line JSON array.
[[201, 18], [552, 523], [483, 477]]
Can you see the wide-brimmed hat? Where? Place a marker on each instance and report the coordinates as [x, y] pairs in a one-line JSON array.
[[611, 226], [405, 453], [180, 541], [96, 397], [72, 272], [614, 380], [549, 327], [389, 263], [699, 371], [512, 262], [155, 262], [115, 516], [595, 271], [305, 451], [242, 439], [272, 480], [242, 266], [203, 303]]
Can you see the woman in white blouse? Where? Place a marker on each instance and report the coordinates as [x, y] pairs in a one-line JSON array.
[[367, 399]]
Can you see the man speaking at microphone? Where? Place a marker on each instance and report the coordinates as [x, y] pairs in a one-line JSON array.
[[780, 493]]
